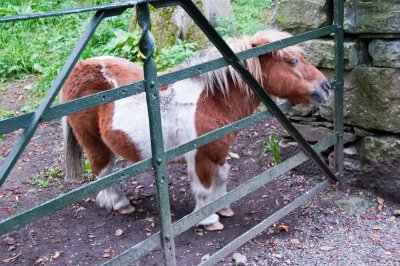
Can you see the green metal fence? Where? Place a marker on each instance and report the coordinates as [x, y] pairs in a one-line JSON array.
[[165, 238]]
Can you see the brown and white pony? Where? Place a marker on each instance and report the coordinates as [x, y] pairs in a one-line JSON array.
[[189, 108]]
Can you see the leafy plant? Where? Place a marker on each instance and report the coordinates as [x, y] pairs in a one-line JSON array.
[[171, 56], [272, 144], [125, 44], [46, 178]]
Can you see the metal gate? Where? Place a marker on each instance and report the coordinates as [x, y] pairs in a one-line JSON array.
[[165, 238]]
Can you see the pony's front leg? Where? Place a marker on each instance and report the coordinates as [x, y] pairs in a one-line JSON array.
[[112, 198], [219, 188], [202, 190]]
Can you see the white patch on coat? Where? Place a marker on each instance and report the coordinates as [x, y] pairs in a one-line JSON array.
[[178, 107], [105, 73]]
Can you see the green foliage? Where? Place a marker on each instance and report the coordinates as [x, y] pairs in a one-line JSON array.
[[171, 56], [40, 47], [125, 44], [5, 113], [87, 171], [250, 17], [272, 144]]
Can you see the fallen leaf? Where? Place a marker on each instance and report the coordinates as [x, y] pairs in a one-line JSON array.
[[396, 212], [56, 255], [12, 259], [119, 232], [327, 248], [284, 227], [40, 261], [108, 252], [9, 240], [392, 218]]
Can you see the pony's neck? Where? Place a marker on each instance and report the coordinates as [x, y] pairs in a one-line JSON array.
[[234, 105]]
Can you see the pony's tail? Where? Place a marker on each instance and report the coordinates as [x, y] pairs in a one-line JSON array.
[[73, 154]]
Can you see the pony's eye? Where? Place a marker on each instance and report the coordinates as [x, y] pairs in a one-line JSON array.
[[293, 62]]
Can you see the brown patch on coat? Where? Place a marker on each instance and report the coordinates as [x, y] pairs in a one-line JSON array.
[[92, 127], [215, 111]]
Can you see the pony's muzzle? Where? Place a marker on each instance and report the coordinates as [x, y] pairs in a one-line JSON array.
[[321, 93]]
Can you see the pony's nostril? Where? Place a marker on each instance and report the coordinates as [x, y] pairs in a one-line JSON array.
[[326, 85]]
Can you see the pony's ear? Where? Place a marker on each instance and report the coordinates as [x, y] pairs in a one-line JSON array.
[[260, 40]]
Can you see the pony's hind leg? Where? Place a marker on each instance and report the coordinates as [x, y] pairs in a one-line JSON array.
[[102, 163]]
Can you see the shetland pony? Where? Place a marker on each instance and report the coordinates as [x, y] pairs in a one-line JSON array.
[[189, 108]]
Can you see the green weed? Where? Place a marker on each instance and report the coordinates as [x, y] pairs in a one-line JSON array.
[[46, 178], [272, 144]]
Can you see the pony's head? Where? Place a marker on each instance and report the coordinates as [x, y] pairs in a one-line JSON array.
[[286, 74]]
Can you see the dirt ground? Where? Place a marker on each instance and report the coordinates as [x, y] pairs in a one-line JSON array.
[[339, 227]]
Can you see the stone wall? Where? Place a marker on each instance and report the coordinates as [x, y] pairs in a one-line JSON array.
[[372, 84]]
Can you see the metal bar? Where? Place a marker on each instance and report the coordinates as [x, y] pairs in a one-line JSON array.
[[339, 70], [31, 127], [74, 106], [30, 215], [93, 100], [124, 5], [133, 254], [147, 47], [221, 132], [256, 182], [259, 228], [231, 58], [75, 195]]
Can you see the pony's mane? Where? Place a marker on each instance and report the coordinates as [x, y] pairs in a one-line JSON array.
[[219, 79]]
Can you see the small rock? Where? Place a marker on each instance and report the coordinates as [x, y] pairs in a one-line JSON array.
[[239, 258], [205, 257], [295, 241], [119, 232]]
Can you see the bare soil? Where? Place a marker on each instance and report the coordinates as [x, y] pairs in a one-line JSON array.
[[319, 233]]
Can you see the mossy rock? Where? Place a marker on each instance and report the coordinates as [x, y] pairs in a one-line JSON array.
[[366, 16], [371, 99], [298, 16], [172, 23]]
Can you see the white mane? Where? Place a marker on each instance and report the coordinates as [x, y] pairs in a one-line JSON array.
[[219, 79]]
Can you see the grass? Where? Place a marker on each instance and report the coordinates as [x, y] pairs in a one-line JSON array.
[[40, 47]]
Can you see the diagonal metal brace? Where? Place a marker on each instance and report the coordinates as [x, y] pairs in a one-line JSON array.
[[233, 60]]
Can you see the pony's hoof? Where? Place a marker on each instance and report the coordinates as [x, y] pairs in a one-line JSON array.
[[214, 227], [126, 210], [226, 212]]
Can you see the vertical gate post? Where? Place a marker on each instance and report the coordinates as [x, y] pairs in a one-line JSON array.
[[147, 46], [339, 66]]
